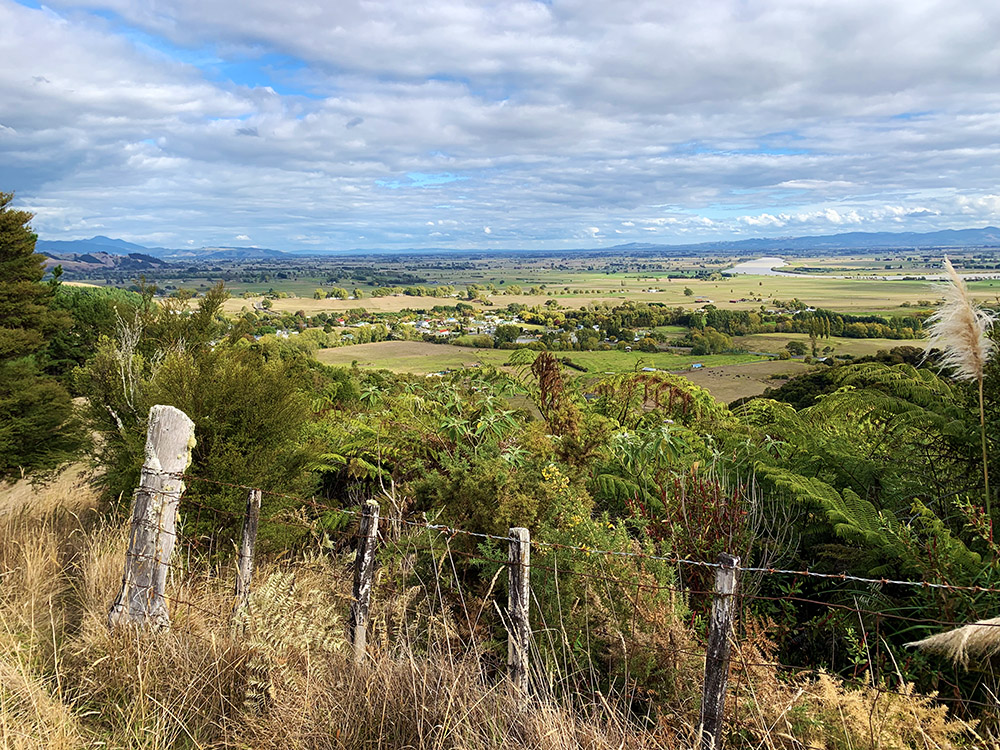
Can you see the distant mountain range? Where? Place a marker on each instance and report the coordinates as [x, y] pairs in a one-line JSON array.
[[985, 237], [74, 251], [84, 263], [111, 246]]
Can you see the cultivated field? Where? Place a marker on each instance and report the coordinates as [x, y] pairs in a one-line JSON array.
[[843, 295]]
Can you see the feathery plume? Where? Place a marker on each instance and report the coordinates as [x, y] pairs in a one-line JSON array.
[[980, 640], [959, 330]]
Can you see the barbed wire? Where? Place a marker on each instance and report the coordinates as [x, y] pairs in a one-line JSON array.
[[593, 556], [670, 559]]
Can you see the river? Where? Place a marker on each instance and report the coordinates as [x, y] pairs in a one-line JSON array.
[[761, 267]]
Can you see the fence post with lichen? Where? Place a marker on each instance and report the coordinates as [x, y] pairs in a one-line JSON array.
[[519, 629], [142, 599], [364, 575], [720, 632], [244, 562]]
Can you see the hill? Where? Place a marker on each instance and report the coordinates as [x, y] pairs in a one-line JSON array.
[[100, 245], [77, 264], [948, 238], [985, 237]]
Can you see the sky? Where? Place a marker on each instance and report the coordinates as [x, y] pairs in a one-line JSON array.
[[350, 124]]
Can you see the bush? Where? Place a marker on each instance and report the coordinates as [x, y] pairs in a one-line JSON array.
[[478, 341]]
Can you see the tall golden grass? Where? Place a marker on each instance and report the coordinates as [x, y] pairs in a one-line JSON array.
[[284, 679]]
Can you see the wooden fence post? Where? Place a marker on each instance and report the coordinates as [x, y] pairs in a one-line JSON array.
[[364, 573], [244, 563], [519, 632], [720, 630], [153, 531]]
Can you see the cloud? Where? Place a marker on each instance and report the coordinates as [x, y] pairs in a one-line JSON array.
[[242, 237], [359, 123]]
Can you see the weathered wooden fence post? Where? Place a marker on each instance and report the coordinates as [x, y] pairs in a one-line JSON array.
[[141, 601], [364, 573], [244, 563], [720, 630], [519, 632]]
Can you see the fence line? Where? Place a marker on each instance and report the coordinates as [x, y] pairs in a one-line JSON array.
[[147, 592], [451, 532], [674, 560]]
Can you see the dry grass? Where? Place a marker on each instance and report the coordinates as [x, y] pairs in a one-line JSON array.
[[283, 679], [730, 382], [71, 490]]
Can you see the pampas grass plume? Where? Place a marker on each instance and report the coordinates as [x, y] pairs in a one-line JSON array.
[[980, 640], [959, 329]]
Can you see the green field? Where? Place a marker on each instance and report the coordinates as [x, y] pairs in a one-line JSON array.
[[775, 342], [422, 358]]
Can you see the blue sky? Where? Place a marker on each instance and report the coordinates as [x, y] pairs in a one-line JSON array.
[[522, 124]]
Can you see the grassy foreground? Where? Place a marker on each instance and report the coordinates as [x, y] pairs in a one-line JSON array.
[[67, 682], [286, 682]]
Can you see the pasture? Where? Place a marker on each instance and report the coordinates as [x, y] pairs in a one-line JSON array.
[[773, 343], [421, 358], [854, 295], [726, 376], [730, 382]]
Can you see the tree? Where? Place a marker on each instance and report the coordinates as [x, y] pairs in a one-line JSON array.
[[95, 312], [688, 292], [248, 399], [506, 334], [37, 426], [710, 341]]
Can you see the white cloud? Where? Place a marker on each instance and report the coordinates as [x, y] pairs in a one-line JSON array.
[[762, 117], [242, 237]]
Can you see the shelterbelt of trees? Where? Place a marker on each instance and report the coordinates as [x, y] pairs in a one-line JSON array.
[[874, 469]]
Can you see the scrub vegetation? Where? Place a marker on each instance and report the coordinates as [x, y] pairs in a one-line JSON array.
[[874, 467]]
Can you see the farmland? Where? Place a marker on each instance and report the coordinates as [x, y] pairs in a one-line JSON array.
[[738, 293], [725, 376], [546, 295], [645, 467], [421, 358]]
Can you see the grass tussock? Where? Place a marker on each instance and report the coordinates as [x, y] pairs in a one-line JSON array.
[[280, 676]]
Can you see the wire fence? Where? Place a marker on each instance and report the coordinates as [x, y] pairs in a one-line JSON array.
[[423, 595]]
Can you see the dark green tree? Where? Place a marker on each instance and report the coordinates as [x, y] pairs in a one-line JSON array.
[[37, 426]]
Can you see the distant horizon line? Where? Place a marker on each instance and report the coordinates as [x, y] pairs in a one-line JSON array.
[[749, 244]]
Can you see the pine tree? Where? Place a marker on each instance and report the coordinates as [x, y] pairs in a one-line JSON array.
[[37, 429]]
